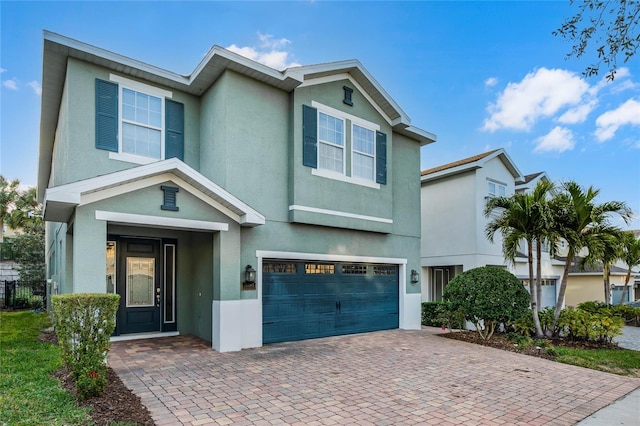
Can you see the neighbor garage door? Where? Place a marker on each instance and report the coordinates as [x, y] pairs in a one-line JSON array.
[[304, 300]]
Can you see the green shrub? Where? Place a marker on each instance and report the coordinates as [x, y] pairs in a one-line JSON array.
[[630, 314], [579, 324], [523, 325], [83, 324], [431, 313], [519, 340], [487, 297], [440, 314], [592, 306]]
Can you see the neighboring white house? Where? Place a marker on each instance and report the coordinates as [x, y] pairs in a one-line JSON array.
[[453, 240]]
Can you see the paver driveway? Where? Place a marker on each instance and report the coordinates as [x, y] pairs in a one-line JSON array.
[[382, 378]]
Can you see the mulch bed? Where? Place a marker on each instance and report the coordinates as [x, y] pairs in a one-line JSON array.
[[500, 341], [116, 404]]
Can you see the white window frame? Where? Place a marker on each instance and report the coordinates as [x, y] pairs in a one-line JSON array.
[[355, 151], [125, 83], [342, 147], [497, 185], [350, 120]]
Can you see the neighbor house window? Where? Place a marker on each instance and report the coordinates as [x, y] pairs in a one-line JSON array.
[[331, 143], [496, 189]]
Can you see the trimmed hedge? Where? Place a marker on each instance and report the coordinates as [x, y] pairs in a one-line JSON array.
[[84, 323], [440, 314], [487, 296]]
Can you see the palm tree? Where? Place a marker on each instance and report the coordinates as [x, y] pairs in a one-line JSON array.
[[631, 256], [544, 229], [26, 209], [579, 220], [605, 248], [8, 195], [521, 217]]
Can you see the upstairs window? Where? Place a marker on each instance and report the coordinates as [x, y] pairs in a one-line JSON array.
[[138, 123], [331, 143], [341, 146], [141, 124], [363, 152], [497, 189]]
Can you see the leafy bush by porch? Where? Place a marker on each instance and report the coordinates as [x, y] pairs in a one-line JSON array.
[[440, 314], [84, 323], [487, 296]]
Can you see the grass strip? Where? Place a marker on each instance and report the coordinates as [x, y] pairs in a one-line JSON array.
[[29, 394], [619, 361]]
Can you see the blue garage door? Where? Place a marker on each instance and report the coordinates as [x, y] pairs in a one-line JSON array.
[[305, 300]]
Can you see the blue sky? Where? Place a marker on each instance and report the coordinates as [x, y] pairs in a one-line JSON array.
[[480, 75]]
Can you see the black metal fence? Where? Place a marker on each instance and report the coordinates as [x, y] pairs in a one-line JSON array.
[[6, 250], [23, 295]]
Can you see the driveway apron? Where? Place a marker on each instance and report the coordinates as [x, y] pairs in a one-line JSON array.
[[395, 377]]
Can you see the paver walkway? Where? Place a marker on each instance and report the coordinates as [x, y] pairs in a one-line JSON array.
[[630, 339], [383, 378]]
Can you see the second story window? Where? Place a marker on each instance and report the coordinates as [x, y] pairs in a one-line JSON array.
[[141, 124], [497, 189], [331, 143], [363, 152], [341, 146], [137, 122]]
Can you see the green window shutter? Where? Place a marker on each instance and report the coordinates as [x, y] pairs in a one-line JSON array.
[[106, 115], [174, 133], [381, 158], [309, 136]]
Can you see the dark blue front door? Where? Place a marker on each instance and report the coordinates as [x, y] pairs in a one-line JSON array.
[[304, 300]]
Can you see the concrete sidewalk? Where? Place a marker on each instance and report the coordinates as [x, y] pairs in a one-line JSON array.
[[625, 411], [383, 378]]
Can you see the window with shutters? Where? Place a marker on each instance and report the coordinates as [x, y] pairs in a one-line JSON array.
[[346, 147], [137, 122]]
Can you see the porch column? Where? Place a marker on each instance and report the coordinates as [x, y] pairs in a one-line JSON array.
[[89, 252]]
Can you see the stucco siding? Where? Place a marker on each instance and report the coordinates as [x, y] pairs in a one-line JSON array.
[[449, 217]]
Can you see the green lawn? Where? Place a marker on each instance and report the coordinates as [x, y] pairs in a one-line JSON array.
[[29, 394], [619, 361]]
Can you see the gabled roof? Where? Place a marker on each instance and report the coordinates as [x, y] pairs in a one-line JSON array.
[[60, 201], [531, 181], [57, 49], [471, 163]]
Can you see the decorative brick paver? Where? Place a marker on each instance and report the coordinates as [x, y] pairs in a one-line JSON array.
[[382, 378]]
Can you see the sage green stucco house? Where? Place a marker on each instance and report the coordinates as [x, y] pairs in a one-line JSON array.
[[171, 190]]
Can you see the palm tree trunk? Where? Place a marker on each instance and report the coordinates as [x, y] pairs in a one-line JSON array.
[[607, 285], [626, 283], [532, 289], [539, 273], [563, 289]]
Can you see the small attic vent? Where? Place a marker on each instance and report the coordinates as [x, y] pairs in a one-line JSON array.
[[169, 198], [347, 95]]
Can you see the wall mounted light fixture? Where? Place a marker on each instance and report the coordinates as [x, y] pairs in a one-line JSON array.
[[249, 278], [415, 277]]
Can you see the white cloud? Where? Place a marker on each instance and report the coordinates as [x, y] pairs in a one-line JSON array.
[[491, 81], [542, 93], [609, 122], [578, 114], [2, 70], [11, 84], [37, 88], [270, 53], [559, 139]]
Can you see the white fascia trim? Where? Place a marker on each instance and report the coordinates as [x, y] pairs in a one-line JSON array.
[[345, 76], [339, 213], [343, 178], [420, 133], [92, 197], [159, 221]]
